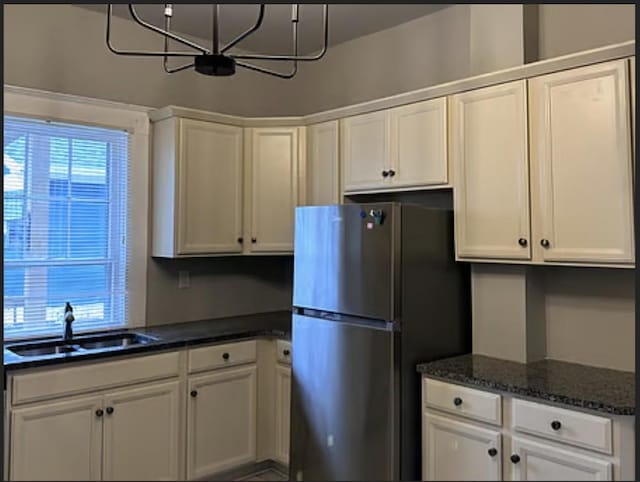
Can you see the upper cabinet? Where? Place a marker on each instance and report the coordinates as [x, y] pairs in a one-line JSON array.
[[197, 188], [272, 194], [402, 148], [489, 155], [582, 192], [323, 165]]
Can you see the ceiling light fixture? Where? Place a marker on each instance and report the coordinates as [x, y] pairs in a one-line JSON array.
[[218, 60]]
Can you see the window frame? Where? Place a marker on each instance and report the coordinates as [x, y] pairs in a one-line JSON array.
[[36, 104]]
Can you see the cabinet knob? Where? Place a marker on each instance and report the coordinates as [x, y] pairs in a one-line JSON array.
[[240, 240], [522, 242], [556, 425], [545, 243], [392, 173], [492, 452], [515, 458], [225, 356], [109, 410], [385, 173], [457, 401], [194, 393], [286, 352], [99, 412], [253, 240]]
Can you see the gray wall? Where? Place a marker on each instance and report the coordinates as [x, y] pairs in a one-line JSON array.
[[568, 28]]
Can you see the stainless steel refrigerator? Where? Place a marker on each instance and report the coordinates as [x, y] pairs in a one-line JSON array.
[[376, 291]]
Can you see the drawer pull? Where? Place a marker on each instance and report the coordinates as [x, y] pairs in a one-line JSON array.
[[457, 401], [99, 412], [493, 452], [194, 393], [225, 356], [515, 458], [109, 410], [556, 425], [286, 352]]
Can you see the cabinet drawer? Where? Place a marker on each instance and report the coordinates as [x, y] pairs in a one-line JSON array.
[[57, 382], [463, 401], [576, 428], [220, 356], [283, 351]]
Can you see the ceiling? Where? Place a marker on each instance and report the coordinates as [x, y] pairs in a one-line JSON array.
[[346, 22]]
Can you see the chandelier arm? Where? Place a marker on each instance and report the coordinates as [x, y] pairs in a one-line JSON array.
[[169, 70], [172, 36], [165, 63], [135, 52], [309, 58], [246, 33]]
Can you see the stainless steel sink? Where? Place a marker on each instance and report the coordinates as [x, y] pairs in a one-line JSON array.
[[110, 341], [79, 344]]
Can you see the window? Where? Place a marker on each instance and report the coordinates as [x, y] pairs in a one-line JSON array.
[[65, 226]]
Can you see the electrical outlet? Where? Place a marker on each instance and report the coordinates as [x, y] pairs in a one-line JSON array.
[[183, 279]]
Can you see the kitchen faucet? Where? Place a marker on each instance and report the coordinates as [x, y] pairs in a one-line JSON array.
[[68, 319]]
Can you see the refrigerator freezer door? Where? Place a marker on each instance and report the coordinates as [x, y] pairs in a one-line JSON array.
[[344, 259], [343, 410]]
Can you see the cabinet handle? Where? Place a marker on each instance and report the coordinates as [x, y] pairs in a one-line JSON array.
[[109, 410], [522, 242], [556, 425], [515, 458], [253, 240], [492, 452], [99, 412], [285, 352], [194, 393], [545, 243], [392, 173], [240, 240], [385, 173], [225, 356], [457, 401]]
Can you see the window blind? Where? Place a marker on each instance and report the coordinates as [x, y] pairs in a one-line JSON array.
[[65, 226]]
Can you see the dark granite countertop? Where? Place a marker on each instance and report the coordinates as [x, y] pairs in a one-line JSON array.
[[581, 386], [177, 335]]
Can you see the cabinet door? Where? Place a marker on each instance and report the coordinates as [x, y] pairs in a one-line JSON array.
[[365, 151], [283, 410], [142, 433], [581, 165], [491, 185], [454, 450], [323, 166], [632, 76], [209, 195], [57, 441], [545, 462], [273, 193], [221, 421], [419, 144]]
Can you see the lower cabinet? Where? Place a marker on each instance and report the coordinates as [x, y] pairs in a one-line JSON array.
[[283, 402], [454, 450], [221, 421], [532, 460], [57, 441]]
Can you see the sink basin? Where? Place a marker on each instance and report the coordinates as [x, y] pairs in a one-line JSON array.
[[79, 344], [40, 349], [109, 341]]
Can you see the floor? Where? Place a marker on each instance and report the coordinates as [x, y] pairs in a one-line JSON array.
[[266, 475]]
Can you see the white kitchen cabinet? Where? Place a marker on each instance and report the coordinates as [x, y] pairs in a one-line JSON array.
[[283, 410], [490, 161], [632, 81], [323, 164], [365, 151], [272, 188], [532, 460], [198, 188], [581, 169], [57, 441], [221, 421], [419, 144], [142, 430], [454, 450]]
